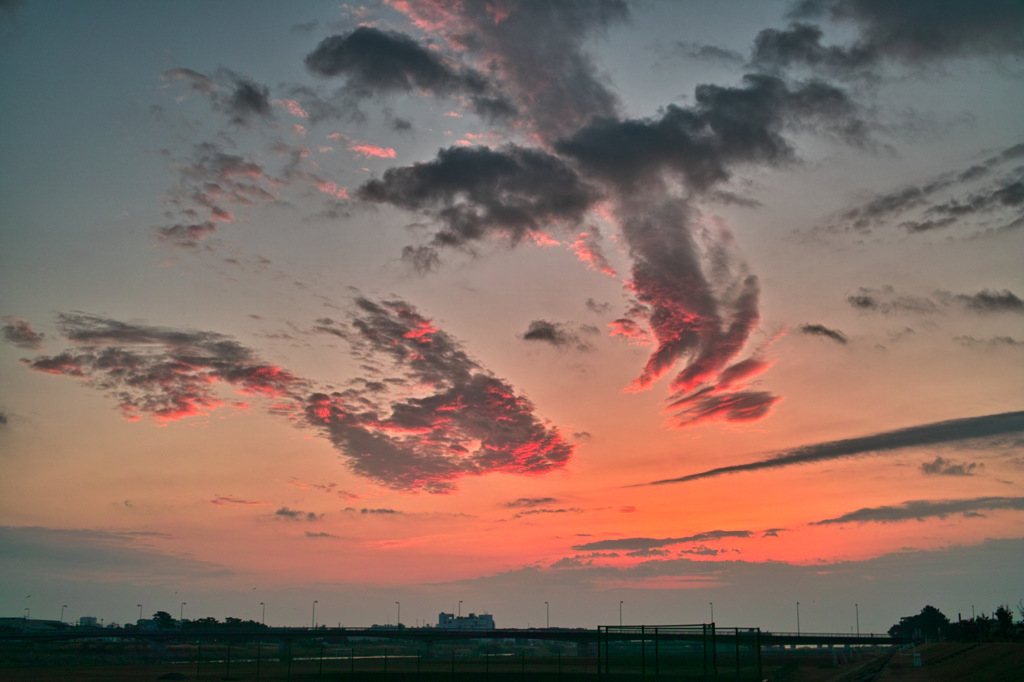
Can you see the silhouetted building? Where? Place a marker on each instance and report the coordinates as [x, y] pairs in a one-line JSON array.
[[450, 621], [88, 622]]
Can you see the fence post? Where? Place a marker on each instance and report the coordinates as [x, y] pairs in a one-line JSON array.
[[736, 633], [657, 654], [757, 643], [643, 651]]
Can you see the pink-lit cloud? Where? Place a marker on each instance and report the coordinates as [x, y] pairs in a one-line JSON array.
[[423, 415], [367, 150]]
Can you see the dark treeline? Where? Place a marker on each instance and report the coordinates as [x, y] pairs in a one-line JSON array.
[[933, 625]]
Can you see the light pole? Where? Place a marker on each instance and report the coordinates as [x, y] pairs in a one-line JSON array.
[[314, 613], [399, 612], [798, 618], [28, 612], [547, 615], [460, 608], [140, 611], [856, 608], [263, 618], [620, 613], [712, 605], [181, 612], [62, 607]]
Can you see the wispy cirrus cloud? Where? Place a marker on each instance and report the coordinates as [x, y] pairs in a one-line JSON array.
[[940, 466], [987, 427], [296, 515], [19, 332], [530, 502], [888, 301], [651, 543], [559, 334], [919, 510], [825, 332], [986, 195]]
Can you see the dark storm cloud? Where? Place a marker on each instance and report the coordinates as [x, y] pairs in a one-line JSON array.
[[557, 334], [19, 332], [537, 48], [476, 191], [800, 44], [453, 418], [922, 509], [165, 373], [987, 427], [725, 127], [375, 61], [943, 467], [921, 31], [296, 515], [651, 543], [823, 331]]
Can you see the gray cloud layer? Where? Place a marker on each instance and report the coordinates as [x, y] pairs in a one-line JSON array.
[[921, 509], [951, 431]]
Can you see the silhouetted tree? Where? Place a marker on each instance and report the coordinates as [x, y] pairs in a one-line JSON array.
[[930, 624], [164, 620], [1004, 622]]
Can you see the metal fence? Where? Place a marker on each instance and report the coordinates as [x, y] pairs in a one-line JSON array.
[[680, 652]]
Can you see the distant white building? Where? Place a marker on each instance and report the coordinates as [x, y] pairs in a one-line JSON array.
[[88, 622], [449, 621]]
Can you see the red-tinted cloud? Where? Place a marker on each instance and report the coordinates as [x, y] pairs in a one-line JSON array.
[[423, 415], [164, 373], [440, 416], [372, 150]]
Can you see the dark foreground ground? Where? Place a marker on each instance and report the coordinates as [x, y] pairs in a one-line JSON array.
[[939, 662]]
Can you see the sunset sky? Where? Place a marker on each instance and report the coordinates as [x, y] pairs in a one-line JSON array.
[[512, 302]]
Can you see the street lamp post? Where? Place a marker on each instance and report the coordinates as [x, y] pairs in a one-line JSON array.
[[263, 617], [620, 613], [140, 611], [547, 615], [798, 618], [460, 608], [712, 605], [62, 607], [181, 612], [314, 613], [399, 612], [856, 608]]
